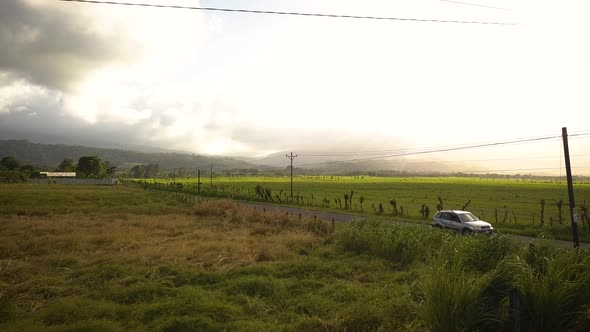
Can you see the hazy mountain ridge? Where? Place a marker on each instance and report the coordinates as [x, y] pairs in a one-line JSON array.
[[314, 161], [51, 155]]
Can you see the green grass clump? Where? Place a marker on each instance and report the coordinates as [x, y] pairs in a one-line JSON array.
[[554, 289], [451, 299]]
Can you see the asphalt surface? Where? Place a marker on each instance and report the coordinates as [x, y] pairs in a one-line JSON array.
[[345, 217]]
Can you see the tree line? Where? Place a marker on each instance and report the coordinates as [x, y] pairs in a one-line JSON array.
[[87, 167]]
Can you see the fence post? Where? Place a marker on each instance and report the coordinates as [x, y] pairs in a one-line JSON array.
[[333, 224]]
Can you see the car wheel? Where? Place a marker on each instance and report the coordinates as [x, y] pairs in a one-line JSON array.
[[466, 231], [438, 226]]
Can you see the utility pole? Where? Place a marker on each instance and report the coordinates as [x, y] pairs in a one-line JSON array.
[[291, 157], [570, 187], [211, 176]]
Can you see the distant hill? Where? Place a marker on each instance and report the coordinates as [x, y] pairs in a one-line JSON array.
[[314, 162], [51, 155]]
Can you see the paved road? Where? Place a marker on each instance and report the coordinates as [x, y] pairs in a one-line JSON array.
[[345, 217]]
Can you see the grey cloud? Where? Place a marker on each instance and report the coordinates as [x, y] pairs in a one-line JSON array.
[[51, 47]]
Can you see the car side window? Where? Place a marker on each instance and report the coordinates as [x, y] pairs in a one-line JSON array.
[[455, 218], [445, 216]]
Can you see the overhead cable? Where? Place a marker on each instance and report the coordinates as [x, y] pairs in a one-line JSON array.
[[536, 139], [272, 12]]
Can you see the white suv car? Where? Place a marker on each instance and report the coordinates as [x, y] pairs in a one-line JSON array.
[[461, 221]]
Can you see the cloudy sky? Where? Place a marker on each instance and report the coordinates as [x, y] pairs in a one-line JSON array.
[[250, 85]]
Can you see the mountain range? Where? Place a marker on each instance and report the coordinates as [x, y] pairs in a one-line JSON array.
[[51, 155]]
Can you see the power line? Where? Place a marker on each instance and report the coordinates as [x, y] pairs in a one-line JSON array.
[[407, 150], [425, 150], [578, 135], [474, 4], [410, 152], [442, 150], [495, 159], [518, 169], [271, 12]]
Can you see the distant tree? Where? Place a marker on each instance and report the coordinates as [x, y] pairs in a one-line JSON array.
[[361, 200], [12, 176], [393, 204], [110, 168], [505, 214], [27, 168], [67, 165], [268, 194], [440, 206], [259, 190], [346, 201], [466, 205], [10, 163], [91, 167], [425, 211], [152, 170], [137, 171], [12, 170], [380, 208], [29, 171]]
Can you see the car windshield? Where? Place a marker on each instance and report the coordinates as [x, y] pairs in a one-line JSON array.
[[467, 217]]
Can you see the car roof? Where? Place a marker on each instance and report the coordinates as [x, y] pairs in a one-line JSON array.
[[455, 211]]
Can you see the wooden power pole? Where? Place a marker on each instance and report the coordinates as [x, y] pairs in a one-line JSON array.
[[570, 188], [291, 157]]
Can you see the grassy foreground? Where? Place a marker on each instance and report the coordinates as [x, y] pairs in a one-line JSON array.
[[141, 261]]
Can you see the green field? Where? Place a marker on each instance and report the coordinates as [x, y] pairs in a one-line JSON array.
[[120, 258], [511, 205]]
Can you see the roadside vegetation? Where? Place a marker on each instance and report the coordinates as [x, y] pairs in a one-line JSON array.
[[119, 258], [525, 207]]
